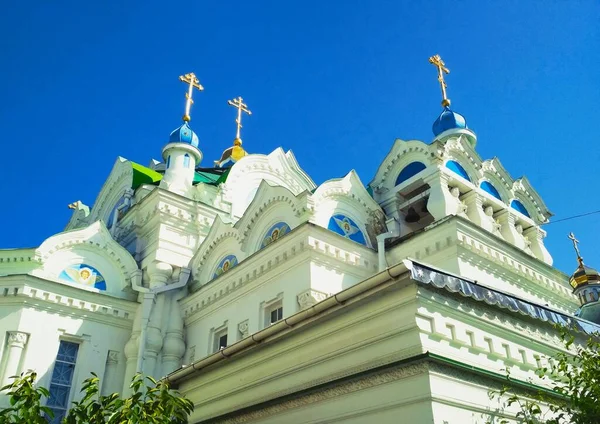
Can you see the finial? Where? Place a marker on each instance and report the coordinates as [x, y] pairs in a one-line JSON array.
[[575, 243], [74, 205], [441, 67], [241, 107], [193, 83]]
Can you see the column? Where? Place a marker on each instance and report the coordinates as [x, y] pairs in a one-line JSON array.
[[131, 352], [477, 213], [174, 344], [441, 202], [536, 235], [509, 229], [16, 342], [159, 274], [110, 383]]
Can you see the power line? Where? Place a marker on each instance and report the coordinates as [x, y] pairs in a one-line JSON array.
[[572, 217]]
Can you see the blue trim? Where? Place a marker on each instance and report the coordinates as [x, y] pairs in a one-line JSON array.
[[62, 380], [457, 168], [275, 233], [186, 161], [168, 161], [410, 171], [225, 265], [83, 274], [519, 207], [490, 189], [346, 227]]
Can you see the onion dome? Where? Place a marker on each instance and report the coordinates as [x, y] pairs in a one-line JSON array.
[[232, 154], [448, 120], [583, 276], [184, 134], [586, 286]]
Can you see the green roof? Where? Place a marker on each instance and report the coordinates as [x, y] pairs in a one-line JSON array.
[[143, 175], [212, 176]]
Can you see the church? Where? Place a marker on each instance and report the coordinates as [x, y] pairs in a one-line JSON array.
[[265, 298]]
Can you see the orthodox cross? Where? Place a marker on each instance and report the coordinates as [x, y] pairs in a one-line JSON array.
[[241, 107], [441, 67], [193, 83], [575, 243]]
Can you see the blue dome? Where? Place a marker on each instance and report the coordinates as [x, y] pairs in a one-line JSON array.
[[184, 134], [448, 120]]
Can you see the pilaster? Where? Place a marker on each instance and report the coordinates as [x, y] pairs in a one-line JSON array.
[[16, 342]]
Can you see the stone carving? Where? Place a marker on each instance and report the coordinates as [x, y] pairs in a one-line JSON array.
[[309, 297], [332, 392], [112, 358], [17, 339], [192, 354], [243, 329]]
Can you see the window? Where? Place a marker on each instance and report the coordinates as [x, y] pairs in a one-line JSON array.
[[220, 340], [519, 207], [272, 310], [490, 189], [186, 161], [275, 314], [62, 378], [168, 161], [409, 171], [457, 168]]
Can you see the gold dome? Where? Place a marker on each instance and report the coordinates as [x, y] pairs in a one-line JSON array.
[[584, 275], [232, 154]]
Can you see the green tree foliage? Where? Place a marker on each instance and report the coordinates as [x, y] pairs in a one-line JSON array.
[[574, 378], [152, 403]]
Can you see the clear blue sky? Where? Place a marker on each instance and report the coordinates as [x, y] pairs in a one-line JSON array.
[[335, 81]]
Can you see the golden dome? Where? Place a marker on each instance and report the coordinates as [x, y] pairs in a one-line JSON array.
[[232, 154], [584, 275]]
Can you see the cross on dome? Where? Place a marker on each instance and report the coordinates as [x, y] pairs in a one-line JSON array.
[[192, 82]]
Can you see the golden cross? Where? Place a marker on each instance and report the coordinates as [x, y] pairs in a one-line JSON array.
[[193, 83], [575, 243], [241, 107], [441, 67]]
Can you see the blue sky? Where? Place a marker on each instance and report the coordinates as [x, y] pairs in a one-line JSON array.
[[334, 81]]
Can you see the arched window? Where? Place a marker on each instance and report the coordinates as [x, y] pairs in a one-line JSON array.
[[168, 161], [490, 189], [274, 233], [519, 207], [409, 171], [457, 168], [186, 161], [225, 265], [346, 227]]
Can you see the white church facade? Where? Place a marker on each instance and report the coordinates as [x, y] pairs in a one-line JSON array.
[[266, 299]]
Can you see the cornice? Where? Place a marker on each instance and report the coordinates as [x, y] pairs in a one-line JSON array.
[[16, 256], [48, 295], [337, 252]]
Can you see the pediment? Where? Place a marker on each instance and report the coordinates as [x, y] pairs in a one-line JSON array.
[[84, 258]]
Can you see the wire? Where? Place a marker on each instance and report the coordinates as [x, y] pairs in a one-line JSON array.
[[572, 217]]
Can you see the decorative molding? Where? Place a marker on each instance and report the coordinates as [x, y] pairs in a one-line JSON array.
[[243, 329], [96, 237], [336, 390], [44, 299], [17, 339], [273, 256], [309, 297], [112, 357]]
